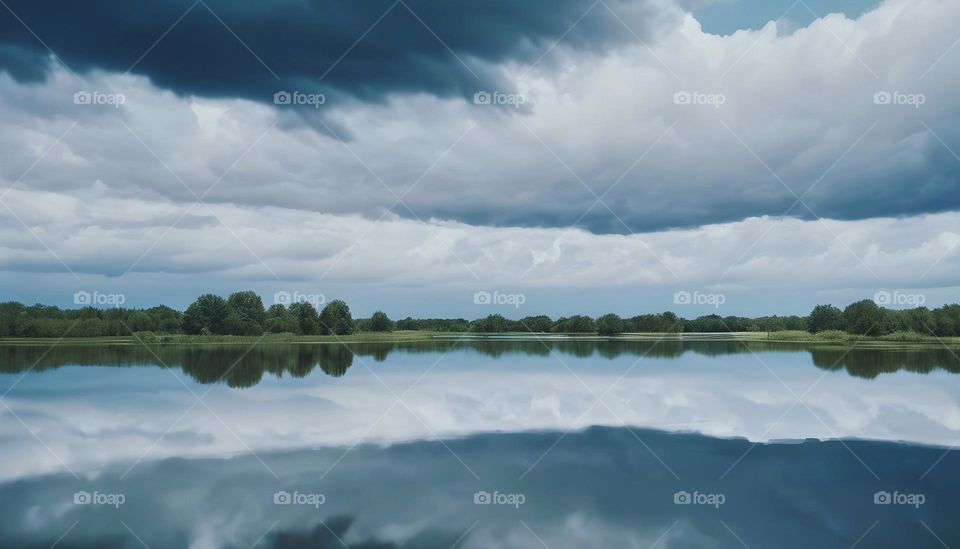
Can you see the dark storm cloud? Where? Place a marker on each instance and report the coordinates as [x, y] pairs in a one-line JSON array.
[[330, 534], [225, 48], [591, 121], [23, 63]]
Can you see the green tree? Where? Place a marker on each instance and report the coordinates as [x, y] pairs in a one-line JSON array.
[[165, 319], [279, 320], [707, 323], [947, 320], [335, 318], [490, 324], [540, 323], [668, 322], [304, 318], [380, 322], [920, 320], [248, 306], [825, 317], [208, 314], [9, 312], [140, 321], [865, 318], [610, 324], [577, 324], [655, 323], [246, 314]]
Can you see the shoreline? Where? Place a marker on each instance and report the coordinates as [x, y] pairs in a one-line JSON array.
[[806, 338]]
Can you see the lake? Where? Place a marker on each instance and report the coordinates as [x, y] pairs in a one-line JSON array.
[[479, 443]]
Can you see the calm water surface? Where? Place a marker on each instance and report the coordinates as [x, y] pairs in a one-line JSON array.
[[475, 444]]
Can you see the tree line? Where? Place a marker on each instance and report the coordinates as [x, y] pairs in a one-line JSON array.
[[243, 313]]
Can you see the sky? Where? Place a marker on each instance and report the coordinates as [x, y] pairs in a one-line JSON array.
[[726, 17], [404, 155]]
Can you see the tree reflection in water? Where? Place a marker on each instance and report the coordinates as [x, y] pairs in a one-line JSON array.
[[244, 366]]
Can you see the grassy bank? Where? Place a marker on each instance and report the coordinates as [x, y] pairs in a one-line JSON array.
[[181, 339], [837, 337], [831, 337]]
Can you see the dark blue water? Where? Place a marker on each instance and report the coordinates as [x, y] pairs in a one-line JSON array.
[[604, 487]]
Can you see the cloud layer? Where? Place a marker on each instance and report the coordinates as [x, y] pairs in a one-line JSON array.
[[402, 179], [96, 232], [364, 50], [798, 120]]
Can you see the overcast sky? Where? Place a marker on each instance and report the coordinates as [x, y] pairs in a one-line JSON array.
[[594, 156]]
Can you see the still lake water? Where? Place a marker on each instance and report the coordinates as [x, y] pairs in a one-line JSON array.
[[479, 444]]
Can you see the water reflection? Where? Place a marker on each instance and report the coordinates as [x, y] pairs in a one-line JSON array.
[[88, 412], [237, 365], [870, 363], [599, 488], [242, 366]]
